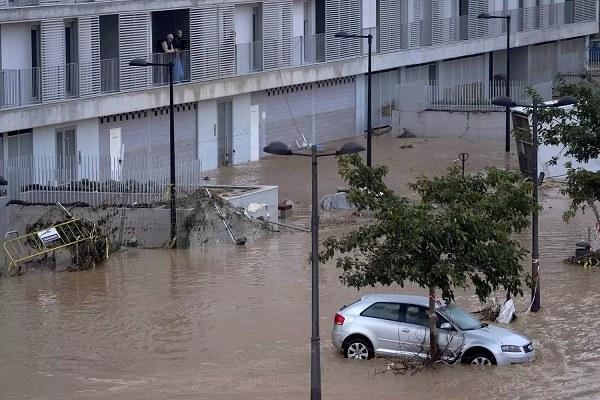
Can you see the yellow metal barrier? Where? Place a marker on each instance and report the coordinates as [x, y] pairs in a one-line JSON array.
[[27, 247]]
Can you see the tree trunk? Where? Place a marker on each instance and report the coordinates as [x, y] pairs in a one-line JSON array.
[[433, 343]]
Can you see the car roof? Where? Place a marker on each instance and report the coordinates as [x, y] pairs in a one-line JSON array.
[[397, 298]]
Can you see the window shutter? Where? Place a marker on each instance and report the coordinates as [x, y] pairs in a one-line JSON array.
[[390, 20], [89, 55], [226, 40], [204, 43], [342, 15], [277, 34], [134, 42], [53, 59], [478, 28]]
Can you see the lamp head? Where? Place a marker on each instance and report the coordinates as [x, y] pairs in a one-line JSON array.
[[3, 182], [342, 34], [484, 16], [138, 62], [566, 101], [277, 148], [349, 148], [503, 101]]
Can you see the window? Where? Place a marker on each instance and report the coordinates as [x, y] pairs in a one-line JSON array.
[[390, 311], [416, 315]]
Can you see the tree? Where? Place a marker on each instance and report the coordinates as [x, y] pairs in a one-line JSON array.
[[578, 130], [459, 235]]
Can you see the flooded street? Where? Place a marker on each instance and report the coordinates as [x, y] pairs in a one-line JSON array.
[[233, 322]]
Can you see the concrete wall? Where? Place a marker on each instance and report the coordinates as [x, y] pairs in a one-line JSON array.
[[16, 46], [369, 13], [298, 18], [489, 125], [243, 23]]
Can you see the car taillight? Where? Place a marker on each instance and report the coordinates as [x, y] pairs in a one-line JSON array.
[[338, 319]]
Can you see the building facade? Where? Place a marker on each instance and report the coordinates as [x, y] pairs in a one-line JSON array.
[[249, 72]]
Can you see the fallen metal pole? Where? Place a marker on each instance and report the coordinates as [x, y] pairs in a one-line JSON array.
[[284, 225]]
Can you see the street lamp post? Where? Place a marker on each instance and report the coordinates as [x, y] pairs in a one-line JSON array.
[[140, 62], [369, 38], [537, 179], [507, 90], [279, 148]]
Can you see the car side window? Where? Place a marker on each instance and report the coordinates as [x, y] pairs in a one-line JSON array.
[[416, 315], [389, 311]]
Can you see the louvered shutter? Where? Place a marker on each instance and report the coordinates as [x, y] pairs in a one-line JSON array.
[[226, 40], [89, 55], [53, 59], [390, 22], [478, 28], [342, 15], [439, 24], [204, 43], [585, 10], [134, 35], [414, 28], [277, 34]]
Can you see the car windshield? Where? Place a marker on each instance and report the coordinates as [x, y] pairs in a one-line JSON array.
[[460, 317]]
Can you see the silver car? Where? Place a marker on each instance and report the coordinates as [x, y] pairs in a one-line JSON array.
[[397, 325]]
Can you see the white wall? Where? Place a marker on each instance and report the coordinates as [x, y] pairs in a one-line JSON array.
[[369, 13], [44, 141], [16, 46], [241, 128], [243, 23], [207, 134]]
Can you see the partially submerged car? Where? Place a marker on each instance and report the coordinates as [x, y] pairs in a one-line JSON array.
[[398, 325]]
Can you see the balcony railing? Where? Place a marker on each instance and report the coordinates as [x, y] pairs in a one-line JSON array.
[[181, 67], [72, 80], [308, 49], [249, 57], [375, 48], [109, 75], [20, 87]]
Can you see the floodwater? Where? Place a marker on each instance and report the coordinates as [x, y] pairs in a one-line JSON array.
[[233, 322]]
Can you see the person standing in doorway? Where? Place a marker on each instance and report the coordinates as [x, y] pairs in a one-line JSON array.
[[168, 47]]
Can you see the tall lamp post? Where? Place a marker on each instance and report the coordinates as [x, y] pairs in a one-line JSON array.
[[282, 149], [369, 38], [507, 93], [507, 102], [140, 62]]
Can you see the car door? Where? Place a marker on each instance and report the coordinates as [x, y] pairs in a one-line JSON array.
[[413, 332], [382, 320]]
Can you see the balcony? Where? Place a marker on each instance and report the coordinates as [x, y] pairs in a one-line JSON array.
[[181, 67], [249, 57], [22, 3], [20, 87], [375, 48], [72, 80]]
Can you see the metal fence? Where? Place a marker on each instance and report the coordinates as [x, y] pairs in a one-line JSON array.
[[463, 96], [97, 181]]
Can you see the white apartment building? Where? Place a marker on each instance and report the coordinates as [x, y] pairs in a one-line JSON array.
[[251, 72]]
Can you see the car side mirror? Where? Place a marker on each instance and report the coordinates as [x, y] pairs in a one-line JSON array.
[[446, 326]]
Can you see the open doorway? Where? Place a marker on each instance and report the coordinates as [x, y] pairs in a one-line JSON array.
[[171, 43]]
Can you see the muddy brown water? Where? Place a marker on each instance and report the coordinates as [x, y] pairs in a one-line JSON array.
[[233, 322]]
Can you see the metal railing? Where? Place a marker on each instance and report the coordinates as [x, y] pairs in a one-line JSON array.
[[19, 87], [477, 95], [249, 57], [309, 49], [72, 80], [97, 180], [375, 48], [109, 75], [181, 67]]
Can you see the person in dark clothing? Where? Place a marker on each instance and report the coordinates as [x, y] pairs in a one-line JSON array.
[[178, 42]]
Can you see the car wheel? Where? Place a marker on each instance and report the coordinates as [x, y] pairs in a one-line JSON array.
[[481, 360], [358, 349]]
